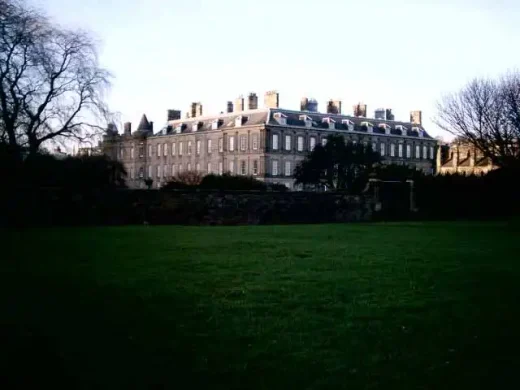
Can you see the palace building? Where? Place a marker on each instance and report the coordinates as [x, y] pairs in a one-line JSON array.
[[464, 158], [266, 143]]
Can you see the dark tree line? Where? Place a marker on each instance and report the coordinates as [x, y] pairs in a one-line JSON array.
[[226, 182], [337, 165]]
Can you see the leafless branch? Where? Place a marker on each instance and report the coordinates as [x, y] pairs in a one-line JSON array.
[[486, 113], [51, 84]]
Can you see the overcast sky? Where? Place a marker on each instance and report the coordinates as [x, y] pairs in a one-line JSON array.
[[395, 54]]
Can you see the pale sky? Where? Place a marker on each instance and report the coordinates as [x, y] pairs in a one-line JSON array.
[[396, 54]]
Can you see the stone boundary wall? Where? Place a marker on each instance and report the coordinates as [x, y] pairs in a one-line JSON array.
[[60, 207]]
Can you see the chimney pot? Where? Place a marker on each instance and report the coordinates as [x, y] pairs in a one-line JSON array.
[[229, 108], [239, 104], [334, 107], [416, 118], [272, 99], [307, 104], [360, 110], [252, 101], [173, 115]]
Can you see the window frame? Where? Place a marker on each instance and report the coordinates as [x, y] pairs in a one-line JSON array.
[[300, 143], [274, 168], [275, 142], [231, 143], [312, 143], [287, 168]]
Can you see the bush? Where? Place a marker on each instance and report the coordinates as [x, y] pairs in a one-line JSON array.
[[184, 180], [231, 182], [495, 195]]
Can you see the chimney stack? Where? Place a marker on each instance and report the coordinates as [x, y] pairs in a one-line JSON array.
[[252, 101], [416, 118], [272, 99], [360, 110], [456, 158], [173, 115], [151, 126], [307, 104], [128, 128], [334, 107], [239, 104], [229, 108], [389, 115], [196, 109], [380, 114]]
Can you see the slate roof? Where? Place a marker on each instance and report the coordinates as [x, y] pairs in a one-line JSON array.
[[266, 116], [144, 125], [293, 119], [226, 121]]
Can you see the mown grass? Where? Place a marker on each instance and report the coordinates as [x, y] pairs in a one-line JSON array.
[[426, 306]]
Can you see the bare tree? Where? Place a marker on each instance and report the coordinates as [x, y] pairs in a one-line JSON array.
[[486, 113], [51, 85]]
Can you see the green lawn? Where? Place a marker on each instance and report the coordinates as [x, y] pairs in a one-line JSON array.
[[407, 306]]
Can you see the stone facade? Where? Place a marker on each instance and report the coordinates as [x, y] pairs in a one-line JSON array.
[[464, 158], [266, 143]]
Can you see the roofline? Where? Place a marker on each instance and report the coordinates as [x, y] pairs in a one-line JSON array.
[[218, 116], [349, 116], [428, 138]]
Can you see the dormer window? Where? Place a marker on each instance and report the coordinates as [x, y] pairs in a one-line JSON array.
[[194, 126], [386, 127], [348, 124], [307, 120], [402, 128], [178, 128], [240, 120], [419, 131], [216, 124], [280, 118], [331, 122], [369, 126]]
